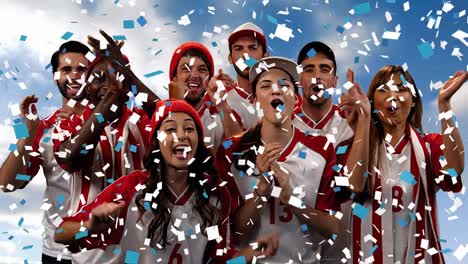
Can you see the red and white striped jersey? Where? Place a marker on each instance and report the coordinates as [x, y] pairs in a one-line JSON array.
[[120, 151], [57, 191], [333, 125], [188, 242], [399, 221], [310, 167]]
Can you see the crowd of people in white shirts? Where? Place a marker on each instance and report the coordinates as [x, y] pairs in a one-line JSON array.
[[264, 168]]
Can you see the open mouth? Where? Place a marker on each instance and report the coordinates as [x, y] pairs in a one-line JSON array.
[[391, 110], [193, 86], [277, 104], [181, 151], [317, 88]]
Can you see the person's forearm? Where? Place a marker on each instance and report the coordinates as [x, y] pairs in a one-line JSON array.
[[231, 127], [454, 150], [247, 216], [317, 220], [89, 134], [65, 234], [358, 159], [14, 165]]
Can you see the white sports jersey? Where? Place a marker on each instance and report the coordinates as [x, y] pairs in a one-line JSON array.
[[332, 125], [243, 106], [335, 127], [310, 167], [187, 242], [119, 152], [57, 192], [394, 224], [212, 124]]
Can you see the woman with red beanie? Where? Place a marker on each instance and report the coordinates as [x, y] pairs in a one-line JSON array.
[[175, 211]]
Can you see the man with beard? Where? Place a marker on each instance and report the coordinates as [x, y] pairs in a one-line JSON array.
[[69, 66], [346, 126], [247, 44], [191, 71]]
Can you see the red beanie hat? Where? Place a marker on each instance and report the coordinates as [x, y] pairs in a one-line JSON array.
[[180, 51], [166, 107], [99, 58]]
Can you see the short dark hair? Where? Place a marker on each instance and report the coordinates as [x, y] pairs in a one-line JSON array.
[[196, 53], [319, 47], [264, 49], [69, 46]]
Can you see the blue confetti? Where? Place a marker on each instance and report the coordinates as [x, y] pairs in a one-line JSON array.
[[426, 50], [23, 202], [20, 222], [119, 37], [311, 53], [227, 143], [67, 35], [127, 24], [340, 29], [119, 146], [402, 222], [142, 21], [151, 74], [250, 62], [356, 59], [452, 172], [406, 176], [81, 234], [302, 154], [304, 228], [214, 44], [21, 130], [100, 118], [23, 38], [133, 148], [374, 248], [23, 177], [237, 260], [362, 9], [27, 247], [341, 150], [272, 20], [131, 257], [360, 211]]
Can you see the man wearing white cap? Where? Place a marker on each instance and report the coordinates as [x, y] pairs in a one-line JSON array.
[[247, 44]]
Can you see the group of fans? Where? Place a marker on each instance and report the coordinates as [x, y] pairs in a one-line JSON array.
[[262, 169]]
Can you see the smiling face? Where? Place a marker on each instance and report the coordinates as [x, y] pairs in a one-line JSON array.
[[191, 73], [180, 144], [393, 101], [241, 46], [275, 93], [317, 76], [72, 69], [103, 77]]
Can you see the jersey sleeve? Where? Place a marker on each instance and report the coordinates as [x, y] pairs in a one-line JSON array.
[[451, 182], [327, 197], [121, 190]]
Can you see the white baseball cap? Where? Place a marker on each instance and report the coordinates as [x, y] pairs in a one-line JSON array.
[[248, 29], [267, 63]]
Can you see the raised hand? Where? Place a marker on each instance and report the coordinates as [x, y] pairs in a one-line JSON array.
[[450, 87], [104, 215], [64, 113], [175, 91], [355, 104], [282, 178], [113, 47], [270, 154], [29, 111], [212, 86]]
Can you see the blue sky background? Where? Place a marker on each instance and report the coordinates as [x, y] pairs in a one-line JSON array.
[[150, 48]]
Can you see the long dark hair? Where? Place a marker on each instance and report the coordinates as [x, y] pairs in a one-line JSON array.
[[202, 167], [250, 138], [376, 128]]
